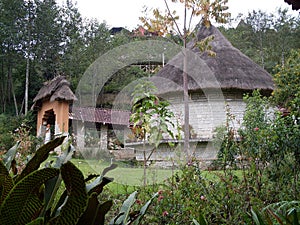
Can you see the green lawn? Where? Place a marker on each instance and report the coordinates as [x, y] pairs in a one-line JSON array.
[[123, 174], [126, 178]]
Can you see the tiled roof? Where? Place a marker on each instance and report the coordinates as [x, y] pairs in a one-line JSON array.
[[98, 115]]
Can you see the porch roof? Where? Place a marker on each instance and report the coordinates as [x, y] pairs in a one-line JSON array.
[[100, 115]]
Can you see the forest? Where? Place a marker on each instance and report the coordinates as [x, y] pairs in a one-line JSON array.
[[41, 39]]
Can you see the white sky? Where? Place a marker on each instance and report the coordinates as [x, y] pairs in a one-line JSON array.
[[126, 13]]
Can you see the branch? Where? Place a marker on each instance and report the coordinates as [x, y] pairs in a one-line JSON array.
[[176, 24], [190, 22], [149, 156]]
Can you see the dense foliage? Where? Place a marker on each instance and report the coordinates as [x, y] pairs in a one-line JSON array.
[[257, 176], [266, 38], [41, 39]]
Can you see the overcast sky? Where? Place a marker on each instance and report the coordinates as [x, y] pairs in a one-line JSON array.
[[126, 13]]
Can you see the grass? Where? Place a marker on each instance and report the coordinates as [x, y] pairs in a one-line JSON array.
[[127, 178], [123, 174]]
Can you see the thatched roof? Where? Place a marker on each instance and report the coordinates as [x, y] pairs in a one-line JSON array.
[[56, 89], [229, 69]]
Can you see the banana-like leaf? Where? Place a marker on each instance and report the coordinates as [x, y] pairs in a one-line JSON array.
[[23, 203], [144, 210], [98, 187], [122, 218], [38, 221], [52, 185], [10, 155], [257, 217], [40, 156], [95, 212], [6, 182], [76, 202], [98, 184], [65, 156], [3, 169]]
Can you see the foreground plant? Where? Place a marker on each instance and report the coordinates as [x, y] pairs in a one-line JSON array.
[[29, 197], [286, 212]]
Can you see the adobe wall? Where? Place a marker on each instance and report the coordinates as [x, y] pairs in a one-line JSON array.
[[61, 112]]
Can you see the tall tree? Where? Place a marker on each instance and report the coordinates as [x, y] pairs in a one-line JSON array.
[[73, 41], [28, 41], [260, 23], [166, 22], [285, 27], [47, 38], [11, 36]]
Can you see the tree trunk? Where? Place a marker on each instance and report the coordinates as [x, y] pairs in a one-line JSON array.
[[186, 111], [13, 92], [27, 61], [186, 94], [27, 81], [2, 85]]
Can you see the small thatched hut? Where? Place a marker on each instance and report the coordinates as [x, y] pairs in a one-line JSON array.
[[213, 83], [52, 104]]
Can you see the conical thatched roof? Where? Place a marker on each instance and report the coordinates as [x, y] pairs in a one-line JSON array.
[[229, 69], [56, 89]]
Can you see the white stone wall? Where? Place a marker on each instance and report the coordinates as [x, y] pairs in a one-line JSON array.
[[208, 111]]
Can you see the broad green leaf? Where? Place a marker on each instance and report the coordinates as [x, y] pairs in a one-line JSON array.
[[125, 210], [196, 222], [144, 210], [257, 218], [76, 201], [40, 156], [65, 156], [23, 203], [98, 184], [10, 155], [293, 216], [95, 212], [38, 221], [202, 220], [52, 185], [6, 184]]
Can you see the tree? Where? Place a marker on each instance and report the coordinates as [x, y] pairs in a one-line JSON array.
[[11, 37], [260, 23], [287, 81], [285, 27], [151, 118], [166, 22], [266, 38]]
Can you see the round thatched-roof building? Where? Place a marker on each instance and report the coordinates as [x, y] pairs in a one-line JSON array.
[[214, 82]]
